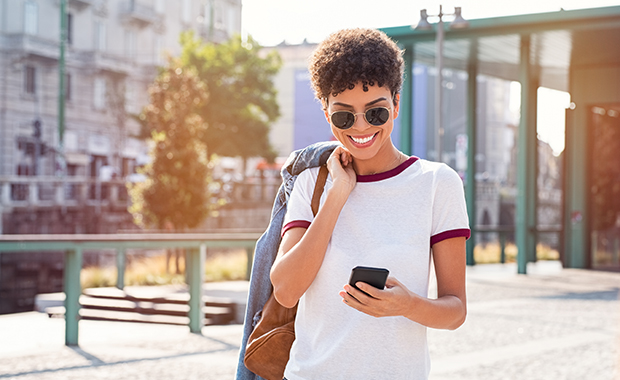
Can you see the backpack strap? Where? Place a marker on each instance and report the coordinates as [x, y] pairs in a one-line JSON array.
[[318, 189]]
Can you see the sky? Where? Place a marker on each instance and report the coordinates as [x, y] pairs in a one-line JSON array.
[[272, 21]]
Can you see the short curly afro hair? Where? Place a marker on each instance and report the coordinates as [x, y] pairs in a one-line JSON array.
[[352, 56]]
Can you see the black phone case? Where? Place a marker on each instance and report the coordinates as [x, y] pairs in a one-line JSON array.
[[372, 276]]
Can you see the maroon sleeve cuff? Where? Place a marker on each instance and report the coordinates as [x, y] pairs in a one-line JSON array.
[[294, 224], [464, 232]]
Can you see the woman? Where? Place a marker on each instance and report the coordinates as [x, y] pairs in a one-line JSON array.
[[379, 208]]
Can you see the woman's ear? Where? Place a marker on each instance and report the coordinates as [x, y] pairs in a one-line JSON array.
[[325, 110], [396, 102]]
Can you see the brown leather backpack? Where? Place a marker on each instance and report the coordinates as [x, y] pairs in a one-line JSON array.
[[269, 344]]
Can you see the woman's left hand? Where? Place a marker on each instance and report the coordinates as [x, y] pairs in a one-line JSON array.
[[394, 300]]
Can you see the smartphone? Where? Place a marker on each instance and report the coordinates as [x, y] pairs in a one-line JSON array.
[[372, 276]]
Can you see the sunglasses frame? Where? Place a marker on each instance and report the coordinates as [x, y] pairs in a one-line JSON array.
[[355, 117]]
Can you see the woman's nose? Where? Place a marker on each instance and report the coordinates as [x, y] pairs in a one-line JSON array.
[[360, 122]]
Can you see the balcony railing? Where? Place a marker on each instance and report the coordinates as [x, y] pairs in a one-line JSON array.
[[42, 191], [74, 245], [139, 14], [46, 191]]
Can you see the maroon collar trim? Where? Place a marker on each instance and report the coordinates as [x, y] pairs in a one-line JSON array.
[[389, 174]]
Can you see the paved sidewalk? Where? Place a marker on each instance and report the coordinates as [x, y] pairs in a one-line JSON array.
[[550, 324]]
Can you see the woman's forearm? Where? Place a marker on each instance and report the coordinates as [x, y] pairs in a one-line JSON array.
[[302, 252], [446, 312]]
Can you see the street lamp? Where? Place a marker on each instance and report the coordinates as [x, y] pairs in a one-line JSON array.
[[458, 23]]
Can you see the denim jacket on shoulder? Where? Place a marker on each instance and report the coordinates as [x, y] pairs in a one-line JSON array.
[[267, 245]]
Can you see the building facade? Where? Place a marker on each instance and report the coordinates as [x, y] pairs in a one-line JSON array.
[[113, 50]]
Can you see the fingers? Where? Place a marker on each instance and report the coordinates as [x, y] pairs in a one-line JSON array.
[[345, 158], [365, 293], [342, 155], [360, 301]]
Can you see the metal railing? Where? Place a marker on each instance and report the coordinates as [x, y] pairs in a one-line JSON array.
[[19, 191], [74, 245], [502, 231]]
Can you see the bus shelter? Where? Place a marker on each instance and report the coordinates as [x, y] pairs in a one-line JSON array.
[[575, 51]]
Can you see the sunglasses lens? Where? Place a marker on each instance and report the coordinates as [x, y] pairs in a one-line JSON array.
[[343, 119], [377, 116]]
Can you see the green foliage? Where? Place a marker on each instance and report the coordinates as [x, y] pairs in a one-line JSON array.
[[175, 192], [216, 99], [243, 99]]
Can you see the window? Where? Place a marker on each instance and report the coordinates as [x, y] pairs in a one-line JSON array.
[[160, 6], [128, 96], [69, 28], [231, 21], [187, 11], [100, 36], [130, 43], [159, 50], [30, 80], [219, 17], [207, 14], [99, 100], [31, 18]]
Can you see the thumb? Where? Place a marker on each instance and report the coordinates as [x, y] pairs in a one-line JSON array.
[[392, 282]]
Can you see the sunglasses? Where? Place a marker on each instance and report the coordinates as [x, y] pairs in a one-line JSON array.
[[345, 119]]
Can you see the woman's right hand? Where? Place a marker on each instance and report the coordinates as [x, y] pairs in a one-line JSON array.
[[340, 166]]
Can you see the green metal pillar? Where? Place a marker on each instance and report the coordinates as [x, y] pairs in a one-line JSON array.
[[73, 289], [576, 189], [61, 78], [470, 181], [406, 105], [527, 148], [250, 254], [120, 268], [532, 163], [195, 265]]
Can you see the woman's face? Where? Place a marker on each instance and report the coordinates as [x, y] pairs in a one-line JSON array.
[[363, 140]]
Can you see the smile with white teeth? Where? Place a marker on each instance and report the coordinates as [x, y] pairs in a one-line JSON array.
[[362, 140]]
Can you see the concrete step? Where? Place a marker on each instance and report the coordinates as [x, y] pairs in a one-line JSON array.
[[171, 298], [115, 305]]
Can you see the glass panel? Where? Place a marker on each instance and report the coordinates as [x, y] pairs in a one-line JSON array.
[[605, 186]]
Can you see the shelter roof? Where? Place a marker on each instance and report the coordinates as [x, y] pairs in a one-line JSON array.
[[558, 40]]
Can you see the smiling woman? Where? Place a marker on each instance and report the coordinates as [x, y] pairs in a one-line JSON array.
[[379, 208]]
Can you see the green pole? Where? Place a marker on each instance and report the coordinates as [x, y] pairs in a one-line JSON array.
[[120, 267], [195, 272], [532, 162], [250, 254], [61, 85], [502, 247], [211, 20], [73, 289], [525, 154], [406, 105], [470, 182]]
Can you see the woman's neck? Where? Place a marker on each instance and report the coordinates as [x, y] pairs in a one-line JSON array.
[[382, 162]]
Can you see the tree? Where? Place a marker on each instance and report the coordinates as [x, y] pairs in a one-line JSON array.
[[174, 194], [243, 98], [187, 127]]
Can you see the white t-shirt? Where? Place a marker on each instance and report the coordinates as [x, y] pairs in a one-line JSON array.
[[390, 220]]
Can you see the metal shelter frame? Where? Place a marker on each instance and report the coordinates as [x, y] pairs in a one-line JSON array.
[[535, 50]]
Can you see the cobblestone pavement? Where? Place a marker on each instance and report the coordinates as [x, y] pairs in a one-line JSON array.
[[550, 324]]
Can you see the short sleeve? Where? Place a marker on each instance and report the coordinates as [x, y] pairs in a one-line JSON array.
[[299, 209], [449, 214]]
